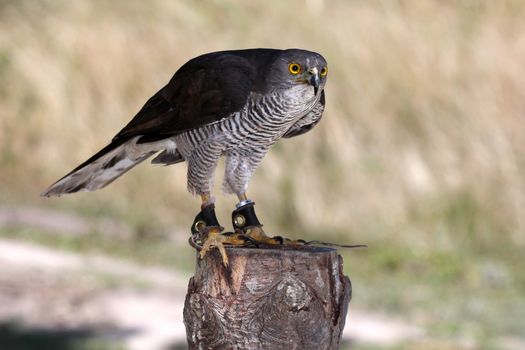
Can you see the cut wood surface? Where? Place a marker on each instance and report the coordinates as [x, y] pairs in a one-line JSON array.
[[288, 298]]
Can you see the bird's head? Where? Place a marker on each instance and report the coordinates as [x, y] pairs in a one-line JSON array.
[[295, 66]]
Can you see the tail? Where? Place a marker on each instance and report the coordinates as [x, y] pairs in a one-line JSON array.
[[105, 166]]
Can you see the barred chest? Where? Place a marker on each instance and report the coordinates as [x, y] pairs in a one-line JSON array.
[[265, 119], [262, 122]]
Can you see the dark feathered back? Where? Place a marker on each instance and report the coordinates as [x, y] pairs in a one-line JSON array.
[[204, 90]]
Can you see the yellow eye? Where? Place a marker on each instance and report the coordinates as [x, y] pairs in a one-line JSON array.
[[324, 71], [294, 68]]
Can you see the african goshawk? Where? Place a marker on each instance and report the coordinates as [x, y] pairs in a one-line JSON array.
[[230, 103]]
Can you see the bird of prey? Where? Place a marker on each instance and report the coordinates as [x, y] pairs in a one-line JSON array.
[[234, 104]]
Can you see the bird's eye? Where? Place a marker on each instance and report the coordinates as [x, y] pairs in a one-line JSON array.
[[324, 71], [294, 68]]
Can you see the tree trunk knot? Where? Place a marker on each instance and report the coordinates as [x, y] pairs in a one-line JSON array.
[[294, 293]]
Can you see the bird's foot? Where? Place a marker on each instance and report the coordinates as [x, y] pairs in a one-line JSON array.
[[213, 237], [247, 225], [207, 234], [256, 236]]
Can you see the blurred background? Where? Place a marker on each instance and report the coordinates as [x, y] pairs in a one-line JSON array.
[[420, 155]]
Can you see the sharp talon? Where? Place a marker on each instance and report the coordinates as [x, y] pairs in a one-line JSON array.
[[224, 256], [246, 238], [257, 237], [193, 242], [279, 239], [213, 238]]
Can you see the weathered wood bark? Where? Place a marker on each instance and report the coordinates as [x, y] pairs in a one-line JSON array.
[[268, 299]]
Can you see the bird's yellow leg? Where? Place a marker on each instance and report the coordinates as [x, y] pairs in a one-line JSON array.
[[207, 227], [205, 200]]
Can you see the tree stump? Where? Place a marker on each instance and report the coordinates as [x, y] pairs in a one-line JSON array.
[[287, 298]]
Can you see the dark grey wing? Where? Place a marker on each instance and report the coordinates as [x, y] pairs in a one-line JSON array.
[[204, 90], [307, 122]]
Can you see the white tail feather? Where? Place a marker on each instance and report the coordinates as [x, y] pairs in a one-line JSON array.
[[105, 169]]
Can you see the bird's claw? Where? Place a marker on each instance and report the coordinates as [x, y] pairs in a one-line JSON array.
[[257, 237], [212, 237], [207, 233]]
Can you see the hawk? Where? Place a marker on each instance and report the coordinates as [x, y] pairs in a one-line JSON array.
[[235, 104]]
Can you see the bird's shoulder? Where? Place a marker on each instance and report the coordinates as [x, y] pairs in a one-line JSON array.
[[206, 89]]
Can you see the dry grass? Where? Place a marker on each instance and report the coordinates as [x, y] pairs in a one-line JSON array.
[[423, 139], [425, 104]]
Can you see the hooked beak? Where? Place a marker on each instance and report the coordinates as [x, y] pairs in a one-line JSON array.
[[312, 77]]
